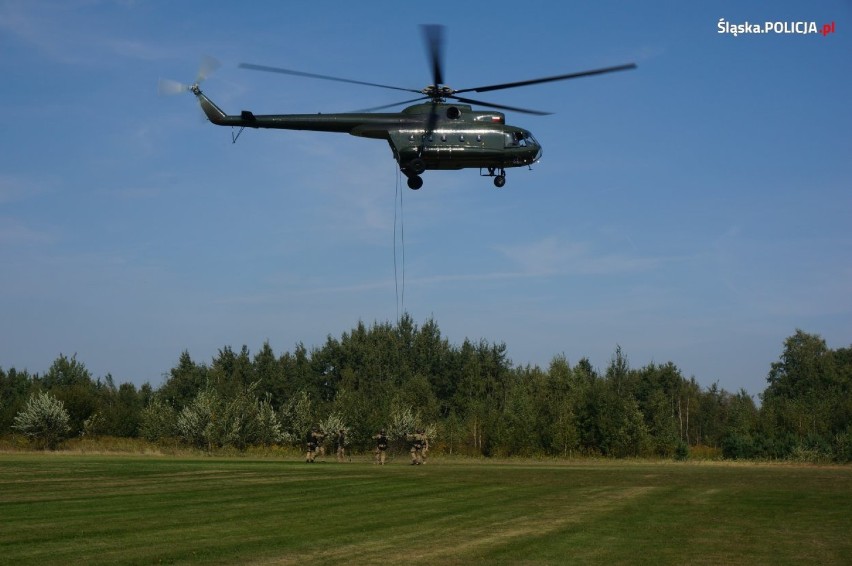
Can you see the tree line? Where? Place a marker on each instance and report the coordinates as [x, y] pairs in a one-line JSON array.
[[470, 399]]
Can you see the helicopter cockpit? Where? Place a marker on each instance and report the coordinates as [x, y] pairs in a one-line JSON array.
[[523, 139]]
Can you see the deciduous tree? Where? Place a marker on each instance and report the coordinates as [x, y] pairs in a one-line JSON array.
[[44, 420]]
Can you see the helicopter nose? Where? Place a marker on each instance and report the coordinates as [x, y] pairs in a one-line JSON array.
[[537, 155]]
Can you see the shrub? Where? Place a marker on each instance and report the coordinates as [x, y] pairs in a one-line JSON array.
[[44, 420], [681, 451], [843, 446], [738, 446], [158, 421]]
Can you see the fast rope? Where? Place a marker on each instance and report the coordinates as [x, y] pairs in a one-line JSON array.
[[400, 300]]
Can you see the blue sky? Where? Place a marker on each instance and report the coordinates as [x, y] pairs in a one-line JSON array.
[[695, 210]]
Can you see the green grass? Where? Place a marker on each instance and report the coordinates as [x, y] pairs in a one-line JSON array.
[[107, 509]]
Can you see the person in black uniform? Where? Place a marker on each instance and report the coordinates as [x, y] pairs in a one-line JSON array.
[[312, 447], [381, 447]]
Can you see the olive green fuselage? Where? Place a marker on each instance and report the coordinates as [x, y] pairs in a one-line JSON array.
[[443, 136]]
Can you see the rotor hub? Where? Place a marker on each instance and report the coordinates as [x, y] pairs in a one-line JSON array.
[[438, 92]]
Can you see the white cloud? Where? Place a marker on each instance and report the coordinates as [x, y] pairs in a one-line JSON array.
[[14, 188], [551, 256], [67, 32], [13, 232]]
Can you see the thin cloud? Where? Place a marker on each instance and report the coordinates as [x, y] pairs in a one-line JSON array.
[[309, 289], [41, 27], [14, 188], [58, 32], [132, 192], [551, 256], [14, 232]]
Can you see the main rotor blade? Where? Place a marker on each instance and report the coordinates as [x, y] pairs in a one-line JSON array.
[[550, 79], [392, 105], [316, 76], [500, 106], [433, 34]]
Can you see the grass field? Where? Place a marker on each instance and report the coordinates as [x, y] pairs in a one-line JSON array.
[[94, 509]]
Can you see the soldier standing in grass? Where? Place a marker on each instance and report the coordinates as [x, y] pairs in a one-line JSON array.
[[416, 447], [341, 445], [312, 447], [319, 437], [381, 447]]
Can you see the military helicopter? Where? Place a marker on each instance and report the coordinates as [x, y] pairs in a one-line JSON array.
[[444, 132]]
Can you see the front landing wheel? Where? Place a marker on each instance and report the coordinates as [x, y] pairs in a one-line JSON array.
[[499, 181], [415, 182]]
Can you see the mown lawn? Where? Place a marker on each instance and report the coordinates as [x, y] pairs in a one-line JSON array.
[[89, 509]]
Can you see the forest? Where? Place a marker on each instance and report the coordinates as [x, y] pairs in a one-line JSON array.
[[470, 399]]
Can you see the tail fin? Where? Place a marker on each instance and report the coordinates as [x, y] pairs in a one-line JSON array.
[[213, 112]]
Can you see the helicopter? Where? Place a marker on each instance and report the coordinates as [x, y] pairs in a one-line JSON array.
[[441, 132]]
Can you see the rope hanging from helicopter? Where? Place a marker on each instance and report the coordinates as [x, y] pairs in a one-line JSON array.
[[400, 302]]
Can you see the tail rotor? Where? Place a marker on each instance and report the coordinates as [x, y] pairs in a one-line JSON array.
[[166, 87], [208, 67]]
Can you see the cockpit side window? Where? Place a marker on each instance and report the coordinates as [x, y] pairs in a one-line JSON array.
[[519, 139]]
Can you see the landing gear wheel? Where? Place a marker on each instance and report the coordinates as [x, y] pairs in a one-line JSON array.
[[415, 182], [499, 181], [416, 166]]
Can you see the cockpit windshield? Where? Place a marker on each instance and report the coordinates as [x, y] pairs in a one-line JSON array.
[[520, 138]]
